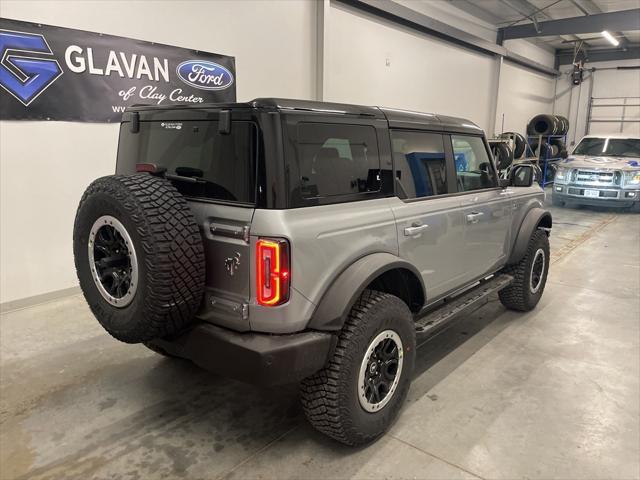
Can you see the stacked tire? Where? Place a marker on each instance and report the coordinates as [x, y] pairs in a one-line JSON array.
[[546, 125], [503, 154], [519, 143]]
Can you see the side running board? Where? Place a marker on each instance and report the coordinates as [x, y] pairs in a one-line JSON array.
[[465, 302]]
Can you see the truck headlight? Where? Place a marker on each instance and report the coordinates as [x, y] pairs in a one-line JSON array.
[[562, 175], [632, 178]]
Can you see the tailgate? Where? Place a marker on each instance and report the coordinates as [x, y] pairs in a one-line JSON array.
[[225, 235]]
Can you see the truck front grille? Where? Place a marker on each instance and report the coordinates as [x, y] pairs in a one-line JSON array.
[[596, 177]]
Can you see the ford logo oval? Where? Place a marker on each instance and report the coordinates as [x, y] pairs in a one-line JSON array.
[[204, 75]]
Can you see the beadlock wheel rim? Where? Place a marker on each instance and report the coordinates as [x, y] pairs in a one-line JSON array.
[[380, 371], [113, 261], [537, 271]]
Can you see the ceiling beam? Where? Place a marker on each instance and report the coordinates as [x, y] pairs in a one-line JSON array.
[[530, 11], [589, 7], [616, 21], [565, 57]]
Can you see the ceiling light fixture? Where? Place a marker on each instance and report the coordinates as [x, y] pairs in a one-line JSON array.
[[613, 40]]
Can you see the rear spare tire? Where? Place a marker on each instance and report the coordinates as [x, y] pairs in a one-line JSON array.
[[139, 256]]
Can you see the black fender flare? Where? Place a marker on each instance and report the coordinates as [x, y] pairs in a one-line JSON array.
[[333, 308], [534, 219]]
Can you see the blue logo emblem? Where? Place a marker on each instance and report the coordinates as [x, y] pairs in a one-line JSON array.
[[204, 75], [22, 72]]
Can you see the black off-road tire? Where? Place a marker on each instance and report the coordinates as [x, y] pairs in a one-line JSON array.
[[330, 397], [169, 250], [519, 296]]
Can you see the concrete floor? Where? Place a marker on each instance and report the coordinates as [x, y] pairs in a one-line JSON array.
[[549, 394]]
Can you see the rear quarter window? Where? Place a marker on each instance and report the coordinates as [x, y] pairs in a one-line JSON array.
[[333, 163]]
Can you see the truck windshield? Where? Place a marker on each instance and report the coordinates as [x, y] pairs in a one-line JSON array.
[[609, 147], [223, 167]]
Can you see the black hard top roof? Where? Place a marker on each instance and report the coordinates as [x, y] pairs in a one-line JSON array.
[[396, 117]]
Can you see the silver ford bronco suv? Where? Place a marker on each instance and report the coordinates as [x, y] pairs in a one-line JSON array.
[[281, 241]]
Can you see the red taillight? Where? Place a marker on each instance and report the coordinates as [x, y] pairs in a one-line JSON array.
[[272, 268], [146, 168]]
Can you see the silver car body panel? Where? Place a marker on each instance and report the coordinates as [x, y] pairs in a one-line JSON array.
[[325, 240]]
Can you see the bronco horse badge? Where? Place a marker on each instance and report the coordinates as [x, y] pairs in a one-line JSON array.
[[232, 263]]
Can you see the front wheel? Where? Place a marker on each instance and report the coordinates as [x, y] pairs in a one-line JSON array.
[[530, 275], [359, 393]]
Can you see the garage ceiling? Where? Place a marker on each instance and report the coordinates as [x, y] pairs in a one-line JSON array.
[[506, 13]]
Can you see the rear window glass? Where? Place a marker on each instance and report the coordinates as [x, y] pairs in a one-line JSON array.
[[336, 159], [214, 166]]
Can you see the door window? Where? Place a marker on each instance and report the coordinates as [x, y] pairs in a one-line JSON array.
[[473, 165], [420, 164]]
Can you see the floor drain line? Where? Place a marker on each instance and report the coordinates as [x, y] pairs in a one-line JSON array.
[[576, 242]]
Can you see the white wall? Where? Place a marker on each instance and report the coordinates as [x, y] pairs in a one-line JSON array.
[[523, 94], [423, 73], [45, 166], [446, 12], [573, 101], [374, 62], [531, 51]]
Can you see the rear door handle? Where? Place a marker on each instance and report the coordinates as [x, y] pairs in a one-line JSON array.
[[474, 217], [415, 229]]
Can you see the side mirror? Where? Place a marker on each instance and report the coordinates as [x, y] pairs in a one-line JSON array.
[[564, 153], [522, 175]]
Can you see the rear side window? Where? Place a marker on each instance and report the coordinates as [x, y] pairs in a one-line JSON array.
[[217, 167], [473, 166], [420, 164], [336, 159]]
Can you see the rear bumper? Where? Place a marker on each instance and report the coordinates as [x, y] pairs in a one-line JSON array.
[[608, 197], [256, 358]]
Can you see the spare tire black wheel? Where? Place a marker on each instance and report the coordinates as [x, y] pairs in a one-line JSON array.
[[139, 256]]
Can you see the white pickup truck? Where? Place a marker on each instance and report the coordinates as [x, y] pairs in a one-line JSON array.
[[602, 170]]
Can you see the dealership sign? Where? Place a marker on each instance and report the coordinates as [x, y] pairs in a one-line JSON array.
[[54, 73]]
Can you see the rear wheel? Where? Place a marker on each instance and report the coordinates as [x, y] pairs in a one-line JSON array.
[[530, 275], [358, 395]]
